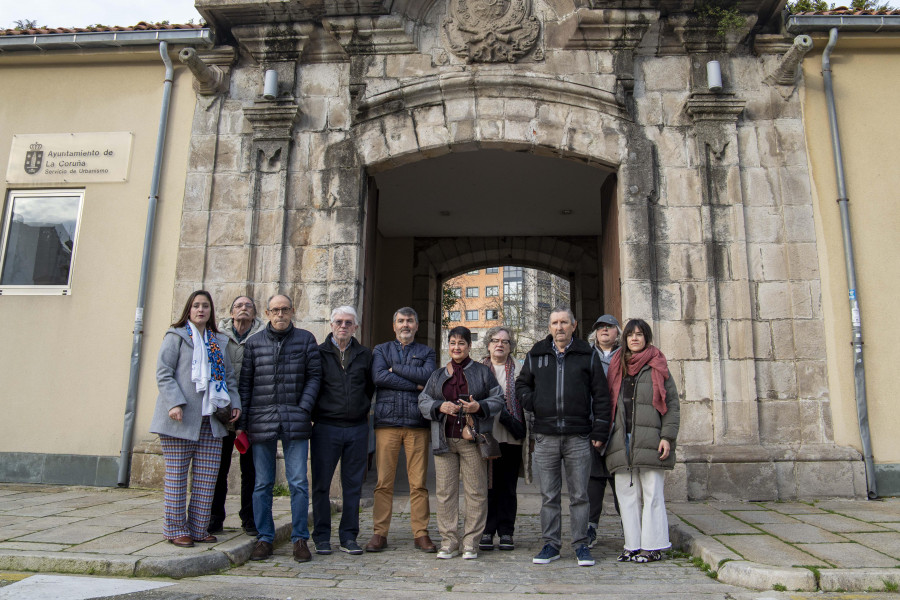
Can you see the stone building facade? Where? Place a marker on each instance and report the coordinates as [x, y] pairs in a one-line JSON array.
[[695, 211]]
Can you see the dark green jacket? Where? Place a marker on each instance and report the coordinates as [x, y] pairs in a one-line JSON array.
[[648, 427]]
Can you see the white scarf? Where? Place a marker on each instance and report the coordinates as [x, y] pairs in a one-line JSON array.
[[200, 374]]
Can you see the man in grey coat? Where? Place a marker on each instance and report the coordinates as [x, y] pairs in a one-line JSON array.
[[242, 323]]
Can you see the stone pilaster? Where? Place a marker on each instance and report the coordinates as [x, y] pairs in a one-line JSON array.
[[729, 331]]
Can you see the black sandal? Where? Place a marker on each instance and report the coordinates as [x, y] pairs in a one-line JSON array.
[[628, 555], [649, 556]]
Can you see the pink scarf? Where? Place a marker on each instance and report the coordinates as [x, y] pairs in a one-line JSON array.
[[658, 374]]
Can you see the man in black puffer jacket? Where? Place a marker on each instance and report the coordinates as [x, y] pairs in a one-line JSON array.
[[563, 385], [279, 383]]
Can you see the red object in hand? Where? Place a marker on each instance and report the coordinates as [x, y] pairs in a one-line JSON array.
[[242, 442]]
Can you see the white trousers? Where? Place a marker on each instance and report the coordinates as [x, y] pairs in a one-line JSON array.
[[646, 527]]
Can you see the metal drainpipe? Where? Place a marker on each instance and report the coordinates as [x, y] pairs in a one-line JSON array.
[[859, 369], [131, 400]]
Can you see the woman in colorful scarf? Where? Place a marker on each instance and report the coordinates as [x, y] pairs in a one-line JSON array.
[[511, 431], [195, 380], [642, 442], [461, 389]]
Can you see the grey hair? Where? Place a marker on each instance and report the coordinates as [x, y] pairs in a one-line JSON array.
[[285, 296], [565, 309], [345, 310], [490, 333], [252, 301], [406, 311]]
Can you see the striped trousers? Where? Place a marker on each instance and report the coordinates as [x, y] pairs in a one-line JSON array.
[[179, 453]]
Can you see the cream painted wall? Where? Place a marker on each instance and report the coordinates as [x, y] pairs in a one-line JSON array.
[[64, 360], [866, 76]]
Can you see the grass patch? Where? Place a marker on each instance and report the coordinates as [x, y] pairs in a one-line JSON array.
[[815, 571], [281, 489], [449, 587], [779, 587], [890, 586]]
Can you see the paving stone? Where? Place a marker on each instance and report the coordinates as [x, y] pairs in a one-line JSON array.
[[717, 523], [120, 520], [873, 515], [764, 577], [73, 533], [849, 555], [887, 543], [792, 508], [841, 524], [801, 533], [120, 542], [690, 508], [47, 523], [35, 546], [764, 549], [761, 516]]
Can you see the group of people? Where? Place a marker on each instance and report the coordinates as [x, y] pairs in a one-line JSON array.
[[607, 414]]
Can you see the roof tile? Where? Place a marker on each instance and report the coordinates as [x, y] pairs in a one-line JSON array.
[[142, 26]]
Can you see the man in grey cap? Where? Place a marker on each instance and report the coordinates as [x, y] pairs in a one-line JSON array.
[[605, 336]]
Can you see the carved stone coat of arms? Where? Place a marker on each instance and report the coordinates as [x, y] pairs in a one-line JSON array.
[[490, 30]]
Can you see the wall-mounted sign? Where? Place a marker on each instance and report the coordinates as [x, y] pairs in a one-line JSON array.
[[69, 157]]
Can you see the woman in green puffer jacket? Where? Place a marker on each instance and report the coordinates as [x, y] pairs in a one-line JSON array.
[[642, 441]]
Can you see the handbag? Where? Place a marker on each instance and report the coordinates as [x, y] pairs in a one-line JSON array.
[[223, 414], [488, 445]]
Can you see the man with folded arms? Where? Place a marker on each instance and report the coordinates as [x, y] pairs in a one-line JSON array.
[[401, 369]]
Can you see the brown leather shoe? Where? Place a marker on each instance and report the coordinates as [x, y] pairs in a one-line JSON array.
[[377, 543], [301, 551], [183, 541], [261, 551], [424, 544], [209, 539]]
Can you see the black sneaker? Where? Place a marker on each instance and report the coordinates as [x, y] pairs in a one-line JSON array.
[[215, 527], [506, 543], [250, 529], [486, 543], [350, 547], [323, 547]]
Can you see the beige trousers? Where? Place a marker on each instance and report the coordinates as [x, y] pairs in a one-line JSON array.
[[388, 441], [463, 460]]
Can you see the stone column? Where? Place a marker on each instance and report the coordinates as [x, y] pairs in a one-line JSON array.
[[729, 332]]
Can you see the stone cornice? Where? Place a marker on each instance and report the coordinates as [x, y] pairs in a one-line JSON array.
[[462, 85], [697, 37], [714, 107], [605, 29], [772, 43], [274, 42], [272, 121], [371, 35]]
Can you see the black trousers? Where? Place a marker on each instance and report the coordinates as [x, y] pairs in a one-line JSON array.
[[502, 504], [248, 480], [600, 476]]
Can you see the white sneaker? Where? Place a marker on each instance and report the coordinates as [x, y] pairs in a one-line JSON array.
[[470, 554], [447, 553]]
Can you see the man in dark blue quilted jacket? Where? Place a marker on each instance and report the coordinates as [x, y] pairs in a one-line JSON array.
[[401, 369], [280, 379]]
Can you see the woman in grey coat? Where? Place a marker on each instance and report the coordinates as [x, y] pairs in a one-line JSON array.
[[195, 379], [462, 389], [641, 447]]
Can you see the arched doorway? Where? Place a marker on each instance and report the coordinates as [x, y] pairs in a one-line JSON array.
[[434, 218]]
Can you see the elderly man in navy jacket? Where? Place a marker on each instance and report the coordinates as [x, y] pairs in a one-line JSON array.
[[401, 369], [279, 383]]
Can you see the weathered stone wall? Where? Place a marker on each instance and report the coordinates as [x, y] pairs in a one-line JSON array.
[[715, 212]]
